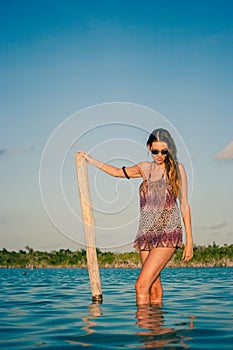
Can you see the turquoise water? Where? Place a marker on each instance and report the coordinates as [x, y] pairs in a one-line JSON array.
[[52, 309]]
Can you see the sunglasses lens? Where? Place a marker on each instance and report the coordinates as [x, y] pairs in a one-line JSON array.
[[156, 151]]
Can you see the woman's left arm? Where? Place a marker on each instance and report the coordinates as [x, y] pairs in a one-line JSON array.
[[186, 215]]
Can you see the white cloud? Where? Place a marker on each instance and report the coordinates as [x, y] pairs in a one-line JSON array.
[[226, 153]]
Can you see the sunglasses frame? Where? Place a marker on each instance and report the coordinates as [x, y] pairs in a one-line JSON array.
[[164, 152]]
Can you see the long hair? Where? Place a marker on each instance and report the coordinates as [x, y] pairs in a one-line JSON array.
[[171, 163]]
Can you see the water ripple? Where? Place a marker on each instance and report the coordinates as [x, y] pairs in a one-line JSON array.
[[51, 309]]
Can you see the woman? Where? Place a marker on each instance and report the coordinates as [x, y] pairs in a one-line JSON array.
[[160, 230]]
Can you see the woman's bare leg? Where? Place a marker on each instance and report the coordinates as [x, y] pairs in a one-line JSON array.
[[153, 264], [144, 255], [156, 291]]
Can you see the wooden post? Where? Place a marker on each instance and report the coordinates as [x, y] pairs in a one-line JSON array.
[[89, 228]]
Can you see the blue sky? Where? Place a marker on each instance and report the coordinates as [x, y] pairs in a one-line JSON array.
[[60, 57]]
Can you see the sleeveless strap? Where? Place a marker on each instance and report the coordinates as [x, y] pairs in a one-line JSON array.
[[149, 176]]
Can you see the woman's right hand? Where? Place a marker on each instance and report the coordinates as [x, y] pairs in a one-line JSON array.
[[84, 155]]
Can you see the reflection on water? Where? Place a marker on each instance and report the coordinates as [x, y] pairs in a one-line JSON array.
[[94, 311], [151, 329], [153, 333]]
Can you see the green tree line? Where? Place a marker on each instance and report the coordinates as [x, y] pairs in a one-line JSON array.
[[212, 255]]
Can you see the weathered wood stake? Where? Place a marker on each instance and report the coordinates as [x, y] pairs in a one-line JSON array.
[[89, 228]]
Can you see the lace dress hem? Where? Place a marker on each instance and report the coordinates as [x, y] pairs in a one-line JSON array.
[[148, 241]]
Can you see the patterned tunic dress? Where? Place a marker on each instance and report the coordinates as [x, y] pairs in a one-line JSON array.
[[160, 223]]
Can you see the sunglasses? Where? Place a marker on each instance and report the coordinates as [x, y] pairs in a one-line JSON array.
[[164, 152]]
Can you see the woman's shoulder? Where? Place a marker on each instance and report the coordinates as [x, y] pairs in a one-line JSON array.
[[181, 166], [144, 165], [144, 168]]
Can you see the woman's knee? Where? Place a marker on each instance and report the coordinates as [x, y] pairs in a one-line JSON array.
[[141, 287]]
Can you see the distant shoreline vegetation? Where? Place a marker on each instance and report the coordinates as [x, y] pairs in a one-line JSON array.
[[210, 256]]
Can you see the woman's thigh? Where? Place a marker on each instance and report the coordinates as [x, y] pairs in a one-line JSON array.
[[153, 264], [144, 254]]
